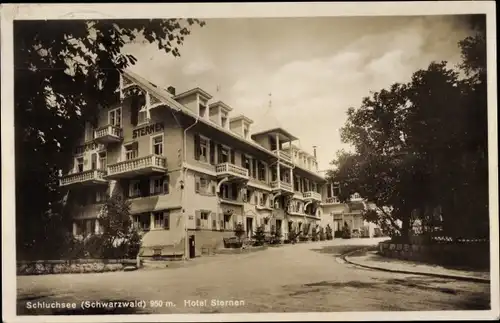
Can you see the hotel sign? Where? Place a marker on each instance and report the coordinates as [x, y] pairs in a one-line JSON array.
[[147, 130]]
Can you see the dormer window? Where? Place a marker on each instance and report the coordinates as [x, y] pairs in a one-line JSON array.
[[203, 110], [223, 120], [245, 132]]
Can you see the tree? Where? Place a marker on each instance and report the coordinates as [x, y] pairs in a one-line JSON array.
[[65, 70], [423, 144], [260, 235]]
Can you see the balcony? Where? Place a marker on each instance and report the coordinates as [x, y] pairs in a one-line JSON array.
[[138, 166], [108, 134], [90, 177], [298, 195], [311, 195], [280, 185], [332, 200], [231, 171], [284, 156]]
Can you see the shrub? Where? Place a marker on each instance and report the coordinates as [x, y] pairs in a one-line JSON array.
[[259, 236], [329, 235], [232, 242], [239, 231], [314, 234], [275, 236], [292, 236], [338, 234], [321, 234]]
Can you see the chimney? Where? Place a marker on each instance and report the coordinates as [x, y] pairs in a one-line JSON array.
[[314, 151], [171, 90]]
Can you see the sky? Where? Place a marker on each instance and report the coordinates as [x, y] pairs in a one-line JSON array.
[[314, 68]]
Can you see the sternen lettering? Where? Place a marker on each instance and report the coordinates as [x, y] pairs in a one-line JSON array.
[[147, 130]]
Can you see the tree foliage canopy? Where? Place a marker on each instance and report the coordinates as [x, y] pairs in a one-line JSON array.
[[423, 144], [65, 70]]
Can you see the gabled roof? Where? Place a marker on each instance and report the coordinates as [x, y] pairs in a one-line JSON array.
[[201, 92], [241, 117], [220, 104]]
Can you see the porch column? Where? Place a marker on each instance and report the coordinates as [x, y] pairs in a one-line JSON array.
[[151, 220], [75, 228], [97, 226], [291, 177]]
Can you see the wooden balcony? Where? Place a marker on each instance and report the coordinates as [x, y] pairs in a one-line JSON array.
[[108, 134], [283, 156], [231, 171], [89, 177], [152, 164], [282, 186], [311, 195]]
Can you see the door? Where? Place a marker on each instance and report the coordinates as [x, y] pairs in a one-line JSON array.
[[192, 247], [249, 227]]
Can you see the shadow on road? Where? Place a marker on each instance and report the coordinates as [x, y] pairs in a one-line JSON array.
[[342, 249]]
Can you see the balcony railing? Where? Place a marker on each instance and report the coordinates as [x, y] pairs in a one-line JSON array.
[[283, 155], [332, 200], [94, 176], [280, 185], [298, 195], [137, 166], [228, 169], [109, 133], [311, 195]]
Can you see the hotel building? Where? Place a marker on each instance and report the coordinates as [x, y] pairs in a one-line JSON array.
[[192, 171]]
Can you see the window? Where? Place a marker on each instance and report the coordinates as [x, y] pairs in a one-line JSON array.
[[203, 149], [245, 132], [255, 199], [212, 152], [296, 184], [224, 191], [262, 171], [263, 199], [157, 142], [203, 110], [246, 163], [143, 115], [142, 221], [103, 160], [131, 152], [93, 161], [100, 196], [223, 119], [134, 189], [248, 196], [201, 185], [161, 220], [115, 117], [159, 185], [204, 216], [79, 164], [233, 156], [223, 154]]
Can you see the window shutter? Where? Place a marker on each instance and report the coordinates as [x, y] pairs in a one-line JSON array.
[[144, 187], [233, 156], [166, 220], [219, 153], [197, 147], [197, 184], [166, 183], [212, 152], [198, 218], [134, 110]]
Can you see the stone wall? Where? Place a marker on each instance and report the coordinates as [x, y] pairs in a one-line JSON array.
[[456, 254], [46, 267]]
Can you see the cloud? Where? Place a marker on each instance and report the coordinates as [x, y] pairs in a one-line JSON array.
[[315, 68]]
